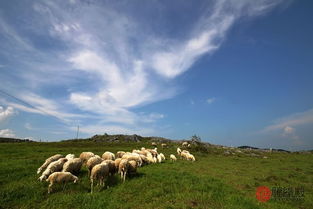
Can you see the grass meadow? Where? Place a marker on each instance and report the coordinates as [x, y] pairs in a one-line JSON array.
[[213, 181]]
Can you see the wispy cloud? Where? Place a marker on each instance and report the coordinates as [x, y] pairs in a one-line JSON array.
[[292, 120], [211, 100], [107, 63]]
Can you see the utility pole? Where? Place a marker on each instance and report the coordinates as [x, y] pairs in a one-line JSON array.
[[77, 132]]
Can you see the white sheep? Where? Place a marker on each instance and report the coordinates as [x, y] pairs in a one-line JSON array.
[[73, 165], [144, 159], [99, 173], [150, 158], [48, 161], [185, 144], [163, 145], [70, 156], [123, 168], [173, 158], [159, 159], [132, 167], [117, 163], [154, 144], [191, 157], [178, 150], [112, 168], [108, 156], [133, 156], [53, 167], [60, 177], [120, 154], [162, 156], [84, 156], [184, 155], [92, 162]]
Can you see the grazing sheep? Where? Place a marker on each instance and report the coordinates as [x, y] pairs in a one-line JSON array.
[[108, 156], [184, 155], [123, 168], [73, 165], [132, 167], [84, 156], [189, 145], [99, 173], [184, 144], [178, 150], [154, 144], [163, 145], [70, 156], [162, 156], [191, 157], [120, 154], [155, 160], [185, 151], [159, 159], [92, 162], [60, 177], [133, 156], [153, 152], [142, 148], [112, 169], [48, 161], [117, 163], [173, 158], [150, 159], [53, 167], [144, 159]]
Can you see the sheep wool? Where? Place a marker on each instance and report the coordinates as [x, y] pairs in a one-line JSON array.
[[70, 156], [53, 167], [173, 158], [112, 169], [120, 154], [123, 168], [84, 156], [132, 167], [73, 165], [92, 162], [99, 173], [60, 177], [48, 161], [162, 156], [108, 156]]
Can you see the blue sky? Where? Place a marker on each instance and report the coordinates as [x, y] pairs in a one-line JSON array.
[[233, 72]]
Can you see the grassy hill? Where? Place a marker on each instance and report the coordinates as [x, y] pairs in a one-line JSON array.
[[220, 178]]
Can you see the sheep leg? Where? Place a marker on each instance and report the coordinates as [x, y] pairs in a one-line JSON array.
[[124, 177], [91, 186], [50, 188]]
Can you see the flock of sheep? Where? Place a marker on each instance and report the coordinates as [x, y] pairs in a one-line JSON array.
[[60, 169]]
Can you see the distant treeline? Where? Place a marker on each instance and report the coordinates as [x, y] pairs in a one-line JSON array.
[[5, 140]]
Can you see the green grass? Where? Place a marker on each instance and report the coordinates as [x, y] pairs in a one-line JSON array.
[[213, 181]]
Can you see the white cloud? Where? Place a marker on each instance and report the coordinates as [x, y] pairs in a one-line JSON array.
[[7, 133], [211, 100], [126, 64], [6, 113], [292, 120]]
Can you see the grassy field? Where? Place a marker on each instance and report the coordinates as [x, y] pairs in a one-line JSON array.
[[213, 181]]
